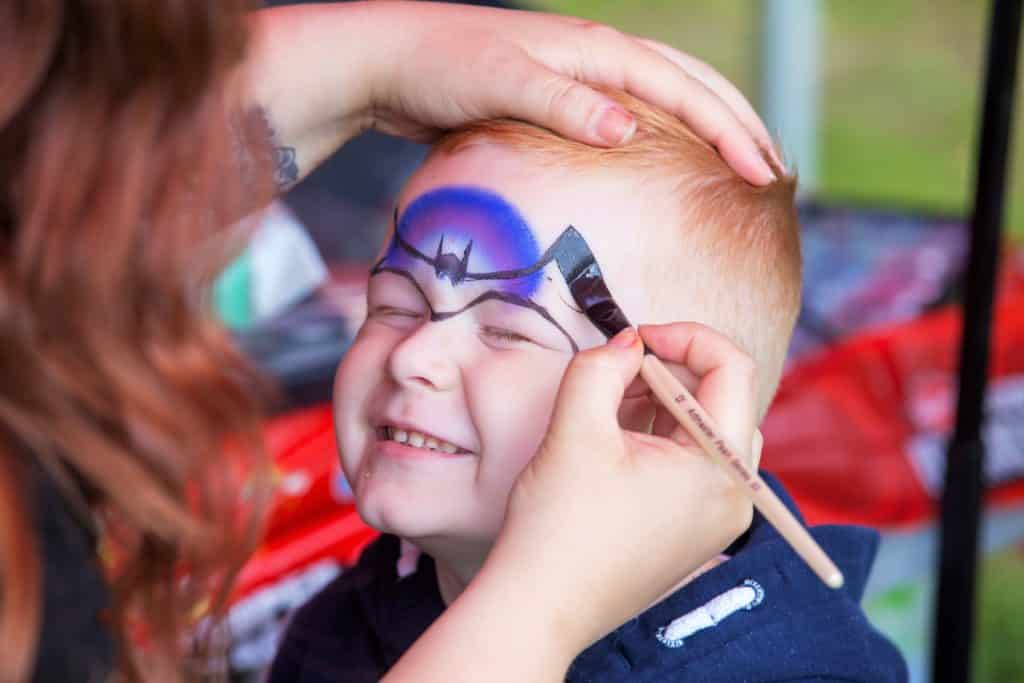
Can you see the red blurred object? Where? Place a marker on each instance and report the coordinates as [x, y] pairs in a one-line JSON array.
[[858, 434], [312, 517]]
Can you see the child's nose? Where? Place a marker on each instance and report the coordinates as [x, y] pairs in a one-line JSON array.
[[426, 358]]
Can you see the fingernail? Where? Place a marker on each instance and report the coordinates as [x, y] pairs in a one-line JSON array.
[[624, 339], [616, 125], [774, 154]]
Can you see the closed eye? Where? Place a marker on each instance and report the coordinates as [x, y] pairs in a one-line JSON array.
[[391, 311], [505, 336]]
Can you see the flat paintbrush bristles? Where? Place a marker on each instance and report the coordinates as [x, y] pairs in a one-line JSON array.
[[587, 286]]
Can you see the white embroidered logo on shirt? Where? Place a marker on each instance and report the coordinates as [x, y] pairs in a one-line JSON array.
[[747, 595]]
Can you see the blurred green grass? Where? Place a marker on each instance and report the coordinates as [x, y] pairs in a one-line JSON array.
[[901, 84], [1000, 632], [901, 89]]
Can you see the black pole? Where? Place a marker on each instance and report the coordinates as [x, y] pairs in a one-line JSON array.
[[962, 493]]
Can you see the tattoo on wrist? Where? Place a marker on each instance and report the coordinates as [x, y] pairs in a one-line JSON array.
[[282, 161], [286, 170]]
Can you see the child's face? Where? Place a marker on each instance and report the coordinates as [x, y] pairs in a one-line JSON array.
[[448, 388]]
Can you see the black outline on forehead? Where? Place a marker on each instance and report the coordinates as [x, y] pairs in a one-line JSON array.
[[570, 252], [489, 295], [454, 267]]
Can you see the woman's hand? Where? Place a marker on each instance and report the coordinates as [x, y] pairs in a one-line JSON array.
[[603, 521], [324, 73], [629, 514]]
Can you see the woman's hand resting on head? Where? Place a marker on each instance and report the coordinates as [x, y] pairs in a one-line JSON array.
[[324, 73], [603, 521]]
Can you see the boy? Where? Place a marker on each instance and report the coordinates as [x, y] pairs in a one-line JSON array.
[[447, 391]]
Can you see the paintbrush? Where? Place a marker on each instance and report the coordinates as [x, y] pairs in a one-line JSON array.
[[588, 288]]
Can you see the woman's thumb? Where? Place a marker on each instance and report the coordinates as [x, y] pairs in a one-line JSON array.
[[593, 386]]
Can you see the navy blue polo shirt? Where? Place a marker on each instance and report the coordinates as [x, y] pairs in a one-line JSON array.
[[761, 616]]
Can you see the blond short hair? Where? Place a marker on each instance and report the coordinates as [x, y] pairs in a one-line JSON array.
[[744, 238]]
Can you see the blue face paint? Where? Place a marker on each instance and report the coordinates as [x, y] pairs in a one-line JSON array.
[[467, 234]]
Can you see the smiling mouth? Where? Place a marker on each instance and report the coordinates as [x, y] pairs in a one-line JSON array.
[[419, 440]]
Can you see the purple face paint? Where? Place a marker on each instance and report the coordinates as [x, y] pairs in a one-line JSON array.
[[469, 234]]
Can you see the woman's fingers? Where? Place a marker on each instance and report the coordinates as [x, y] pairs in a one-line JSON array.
[[592, 389], [638, 387], [709, 117], [725, 89], [728, 385], [566, 106], [610, 58]]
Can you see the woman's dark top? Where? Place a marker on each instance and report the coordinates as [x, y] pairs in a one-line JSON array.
[[75, 643]]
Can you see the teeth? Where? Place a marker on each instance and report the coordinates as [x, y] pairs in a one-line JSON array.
[[418, 440]]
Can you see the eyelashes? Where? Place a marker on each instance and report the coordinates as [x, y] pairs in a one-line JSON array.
[[392, 310], [491, 333], [490, 295], [394, 317], [505, 336]]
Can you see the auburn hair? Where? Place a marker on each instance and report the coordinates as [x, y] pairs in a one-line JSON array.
[[744, 237], [119, 168]]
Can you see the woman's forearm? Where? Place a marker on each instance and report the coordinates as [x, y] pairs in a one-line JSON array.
[[309, 74], [498, 630]]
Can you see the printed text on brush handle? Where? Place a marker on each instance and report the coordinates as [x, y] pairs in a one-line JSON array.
[[720, 446]]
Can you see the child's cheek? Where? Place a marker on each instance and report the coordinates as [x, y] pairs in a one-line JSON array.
[[361, 371], [518, 412]]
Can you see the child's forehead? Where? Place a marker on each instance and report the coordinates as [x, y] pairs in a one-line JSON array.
[[494, 204], [620, 215], [546, 197], [472, 219], [472, 238]]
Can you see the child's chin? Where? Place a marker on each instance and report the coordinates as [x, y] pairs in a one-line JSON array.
[[400, 518]]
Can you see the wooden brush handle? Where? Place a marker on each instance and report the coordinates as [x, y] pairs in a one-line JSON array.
[[702, 429]]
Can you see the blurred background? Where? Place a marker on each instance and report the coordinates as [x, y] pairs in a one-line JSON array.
[[898, 86], [877, 105]]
